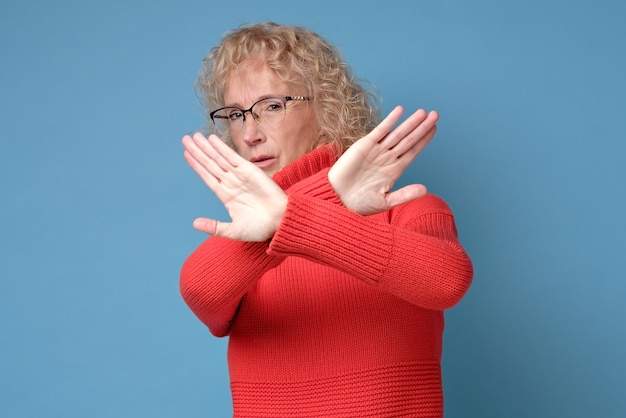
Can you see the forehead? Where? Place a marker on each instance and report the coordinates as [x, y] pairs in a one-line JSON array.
[[253, 80]]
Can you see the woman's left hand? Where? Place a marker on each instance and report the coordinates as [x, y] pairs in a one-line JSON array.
[[255, 203], [364, 175]]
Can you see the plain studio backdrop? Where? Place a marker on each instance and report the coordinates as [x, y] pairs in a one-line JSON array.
[[97, 201]]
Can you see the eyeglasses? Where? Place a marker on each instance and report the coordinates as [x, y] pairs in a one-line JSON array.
[[268, 111]]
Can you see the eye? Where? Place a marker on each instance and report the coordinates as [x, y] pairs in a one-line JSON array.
[[235, 114], [273, 105]]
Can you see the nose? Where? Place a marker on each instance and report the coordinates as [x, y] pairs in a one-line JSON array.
[[251, 133]]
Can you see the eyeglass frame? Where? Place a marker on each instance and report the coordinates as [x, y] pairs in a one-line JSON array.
[[285, 99]]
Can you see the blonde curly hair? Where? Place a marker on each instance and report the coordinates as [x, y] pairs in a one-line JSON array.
[[344, 110]]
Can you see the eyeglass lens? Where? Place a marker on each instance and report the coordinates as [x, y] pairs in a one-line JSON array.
[[266, 111]]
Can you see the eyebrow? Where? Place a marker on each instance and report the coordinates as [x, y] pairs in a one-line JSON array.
[[263, 96]]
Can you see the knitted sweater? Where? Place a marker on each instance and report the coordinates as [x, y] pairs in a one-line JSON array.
[[339, 315]]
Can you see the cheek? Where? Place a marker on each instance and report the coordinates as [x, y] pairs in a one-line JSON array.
[[308, 135], [303, 142], [237, 144]]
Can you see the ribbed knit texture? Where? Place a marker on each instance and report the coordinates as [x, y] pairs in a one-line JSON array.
[[340, 315], [372, 393]]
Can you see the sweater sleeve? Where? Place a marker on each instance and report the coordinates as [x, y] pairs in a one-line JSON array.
[[217, 274], [411, 251]]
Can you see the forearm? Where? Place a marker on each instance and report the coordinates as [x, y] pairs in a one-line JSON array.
[[217, 274], [419, 259]]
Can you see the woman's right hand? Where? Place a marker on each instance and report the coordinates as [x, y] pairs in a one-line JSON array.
[[255, 203], [365, 174]]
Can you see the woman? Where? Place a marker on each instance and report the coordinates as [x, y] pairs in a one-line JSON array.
[[330, 286]]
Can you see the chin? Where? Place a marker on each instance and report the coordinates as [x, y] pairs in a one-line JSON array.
[[270, 173]]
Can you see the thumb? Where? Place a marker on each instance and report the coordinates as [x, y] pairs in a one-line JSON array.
[[405, 194], [208, 226]]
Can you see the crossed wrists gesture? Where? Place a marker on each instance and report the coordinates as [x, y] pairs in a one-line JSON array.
[[362, 177]]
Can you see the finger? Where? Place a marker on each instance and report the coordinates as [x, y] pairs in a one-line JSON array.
[[212, 157], [193, 145], [209, 179], [420, 134], [405, 194], [193, 155], [242, 169], [229, 154], [419, 146], [206, 225], [211, 226], [399, 133], [214, 162], [382, 130], [201, 163]]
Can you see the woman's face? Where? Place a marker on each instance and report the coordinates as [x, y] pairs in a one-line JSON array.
[[269, 147]]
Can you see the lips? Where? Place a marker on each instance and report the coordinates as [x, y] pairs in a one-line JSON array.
[[263, 161]]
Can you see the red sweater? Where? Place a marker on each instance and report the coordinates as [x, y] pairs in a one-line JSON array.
[[339, 315]]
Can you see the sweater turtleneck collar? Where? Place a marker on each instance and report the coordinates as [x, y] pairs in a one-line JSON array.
[[307, 165]]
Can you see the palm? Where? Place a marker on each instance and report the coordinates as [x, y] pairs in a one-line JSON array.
[[364, 175], [254, 202]]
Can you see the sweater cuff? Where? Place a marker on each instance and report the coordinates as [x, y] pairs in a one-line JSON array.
[[322, 231], [317, 186]]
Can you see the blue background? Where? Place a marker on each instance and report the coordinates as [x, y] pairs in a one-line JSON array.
[[97, 202]]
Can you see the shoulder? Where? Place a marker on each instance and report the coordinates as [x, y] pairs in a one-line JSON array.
[[430, 215], [429, 204]]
